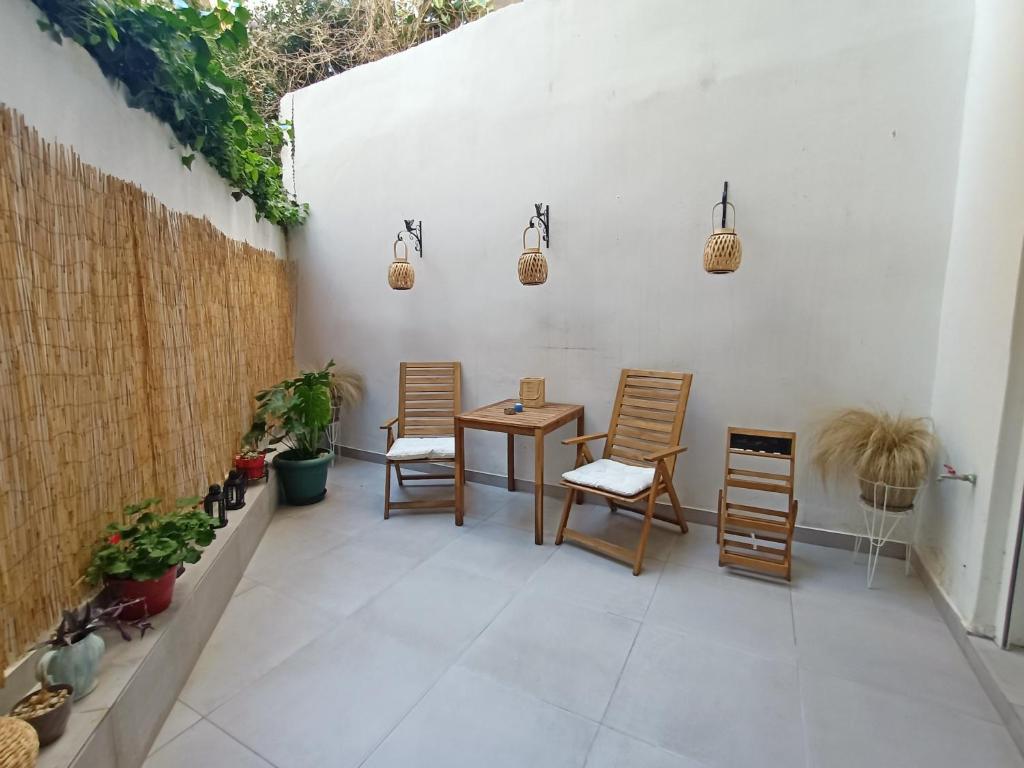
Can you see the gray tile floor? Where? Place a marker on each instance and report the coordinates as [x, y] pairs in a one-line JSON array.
[[355, 641]]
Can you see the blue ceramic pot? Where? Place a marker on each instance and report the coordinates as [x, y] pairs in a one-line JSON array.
[[75, 665]]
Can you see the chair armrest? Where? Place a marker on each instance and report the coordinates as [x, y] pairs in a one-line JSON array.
[[583, 439], [658, 455], [389, 423]]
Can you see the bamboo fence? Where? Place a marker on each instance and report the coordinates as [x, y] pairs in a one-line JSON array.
[[132, 339]]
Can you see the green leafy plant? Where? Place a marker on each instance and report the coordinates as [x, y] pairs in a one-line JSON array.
[[148, 543], [296, 43], [173, 59], [294, 412]]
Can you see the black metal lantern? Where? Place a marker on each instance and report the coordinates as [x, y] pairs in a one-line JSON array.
[[214, 505], [234, 490]]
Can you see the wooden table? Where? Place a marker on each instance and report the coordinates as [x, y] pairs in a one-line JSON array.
[[537, 422]]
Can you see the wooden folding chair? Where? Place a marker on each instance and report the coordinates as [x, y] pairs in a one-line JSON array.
[[640, 451], [758, 537], [428, 398]]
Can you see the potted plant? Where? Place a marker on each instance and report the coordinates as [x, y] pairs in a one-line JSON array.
[[295, 413], [76, 647], [889, 455], [47, 710], [252, 462], [138, 559]]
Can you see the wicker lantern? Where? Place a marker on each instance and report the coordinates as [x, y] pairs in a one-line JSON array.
[[723, 250], [401, 275], [533, 267]]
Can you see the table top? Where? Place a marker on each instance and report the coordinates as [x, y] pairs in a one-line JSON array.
[[548, 417]]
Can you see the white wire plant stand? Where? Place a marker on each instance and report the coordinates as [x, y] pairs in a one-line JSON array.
[[882, 518], [333, 431]]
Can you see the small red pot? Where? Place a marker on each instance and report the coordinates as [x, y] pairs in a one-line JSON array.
[[254, 468], [156, 594]]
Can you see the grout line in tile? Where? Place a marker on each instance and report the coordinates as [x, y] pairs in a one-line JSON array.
[[246, 747], [433, 685], [723, 644], [172, 739], [301, 648], [653, 745], [625, 661], [902, 694], [803, 717]]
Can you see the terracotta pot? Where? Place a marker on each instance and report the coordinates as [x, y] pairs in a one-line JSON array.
[[155, 594], [254, 468], [50, 725]]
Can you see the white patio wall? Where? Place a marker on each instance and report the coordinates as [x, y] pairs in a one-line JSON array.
[[62, 93], [837, 125], [978, 399]]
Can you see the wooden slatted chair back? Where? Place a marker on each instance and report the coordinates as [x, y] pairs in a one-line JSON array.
[[650, 407], [428, 398]]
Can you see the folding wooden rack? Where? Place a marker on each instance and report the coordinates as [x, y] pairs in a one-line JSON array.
[[755, 536]]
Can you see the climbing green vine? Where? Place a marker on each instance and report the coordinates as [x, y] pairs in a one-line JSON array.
[[173, 59]]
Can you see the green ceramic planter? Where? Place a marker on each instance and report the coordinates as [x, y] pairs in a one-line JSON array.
[[304, 480], [75, 665]]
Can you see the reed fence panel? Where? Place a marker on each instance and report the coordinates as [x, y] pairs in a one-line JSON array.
[[132, 339]]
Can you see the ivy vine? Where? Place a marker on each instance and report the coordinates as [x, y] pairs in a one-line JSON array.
[[173, 59]]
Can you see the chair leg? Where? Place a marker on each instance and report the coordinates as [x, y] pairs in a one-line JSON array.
[[566, 509], [398, 475], [644, 533], [676, 506], [387, 489], [459, 483], [721, 517]]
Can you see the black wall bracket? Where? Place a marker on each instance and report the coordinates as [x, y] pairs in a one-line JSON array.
[[542, 219], [416, 234]]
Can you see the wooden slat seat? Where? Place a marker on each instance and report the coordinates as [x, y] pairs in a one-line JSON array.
[[429, 396], [646, 424]]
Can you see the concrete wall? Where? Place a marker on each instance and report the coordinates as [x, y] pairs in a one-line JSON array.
[[977, 399], [837, 125], [62, 93]]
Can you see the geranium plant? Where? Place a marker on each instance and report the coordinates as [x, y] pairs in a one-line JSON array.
[[148, 543]]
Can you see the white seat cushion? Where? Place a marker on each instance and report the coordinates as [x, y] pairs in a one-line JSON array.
[[612, 476], [406, 448]]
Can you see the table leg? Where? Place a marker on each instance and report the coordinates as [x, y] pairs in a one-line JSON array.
[[511, 461], [460, 472], [538, 486], [579, 433]]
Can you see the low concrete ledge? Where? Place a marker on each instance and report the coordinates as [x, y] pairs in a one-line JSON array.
[[115, 725]]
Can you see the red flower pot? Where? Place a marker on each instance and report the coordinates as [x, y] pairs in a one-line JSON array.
[[155, 594], [254, 468]]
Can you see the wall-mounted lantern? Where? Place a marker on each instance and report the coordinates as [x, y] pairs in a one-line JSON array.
[[723, 250], [533, 267], [401, 275]]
